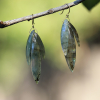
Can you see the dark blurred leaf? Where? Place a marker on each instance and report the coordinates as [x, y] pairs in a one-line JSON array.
[[89, 4]]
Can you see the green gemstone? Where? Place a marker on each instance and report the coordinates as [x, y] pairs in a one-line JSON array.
[[37, 53], [68, 44]]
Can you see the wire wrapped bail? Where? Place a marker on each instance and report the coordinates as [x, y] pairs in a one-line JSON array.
[[67, 15]]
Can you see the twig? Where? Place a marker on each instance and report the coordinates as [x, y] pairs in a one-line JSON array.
[[30, 17]]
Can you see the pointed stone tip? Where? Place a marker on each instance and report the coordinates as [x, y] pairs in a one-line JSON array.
[[72, 71], [37, 82]]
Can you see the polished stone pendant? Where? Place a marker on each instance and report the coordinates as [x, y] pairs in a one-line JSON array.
[[36, 52], [68, 44]]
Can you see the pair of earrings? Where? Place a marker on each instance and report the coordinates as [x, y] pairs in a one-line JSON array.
[[68, 33], [35, 50]]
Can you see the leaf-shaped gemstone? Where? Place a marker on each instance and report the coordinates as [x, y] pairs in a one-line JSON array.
[[75, 33], [37, 53], [68, 44], [28, 47]]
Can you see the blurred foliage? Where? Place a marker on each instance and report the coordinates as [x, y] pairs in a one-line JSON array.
[[13, 65], [89, 4]]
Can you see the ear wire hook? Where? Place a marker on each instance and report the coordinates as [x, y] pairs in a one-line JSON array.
[[67, 16], [64, 9], [32, 24]]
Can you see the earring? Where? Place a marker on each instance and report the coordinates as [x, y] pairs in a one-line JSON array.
[[35, 52], [68, 32]]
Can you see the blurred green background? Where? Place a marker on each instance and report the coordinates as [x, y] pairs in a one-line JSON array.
[[56, 81]]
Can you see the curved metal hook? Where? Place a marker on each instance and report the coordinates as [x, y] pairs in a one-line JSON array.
[[32, 24], [68, 12], [67, 16]]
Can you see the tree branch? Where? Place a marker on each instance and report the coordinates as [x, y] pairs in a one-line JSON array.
[[30, 17]]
